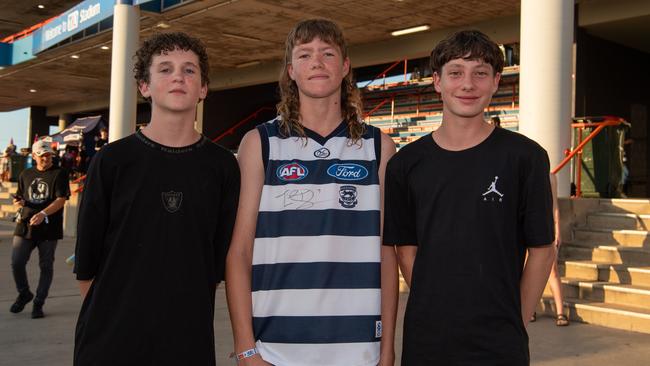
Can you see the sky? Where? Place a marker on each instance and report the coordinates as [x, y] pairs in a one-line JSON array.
[[14, 124]]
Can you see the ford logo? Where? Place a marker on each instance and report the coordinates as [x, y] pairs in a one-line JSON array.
[[291, 172], [347, 171]]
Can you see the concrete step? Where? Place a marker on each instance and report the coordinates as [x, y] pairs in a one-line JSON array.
[[12, 189], [605, 254], [625, 205], [606, 292], [8, 185], [606, 272], [628, 238], [620, 221], [8, 208], [628, 318]]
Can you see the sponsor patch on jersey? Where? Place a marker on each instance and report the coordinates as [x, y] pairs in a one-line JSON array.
[[349, 171], [172, 201], [291, 172], [322, 153], [348, 196]]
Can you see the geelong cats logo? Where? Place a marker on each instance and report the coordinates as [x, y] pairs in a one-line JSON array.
[[172, 201], [348, 196]]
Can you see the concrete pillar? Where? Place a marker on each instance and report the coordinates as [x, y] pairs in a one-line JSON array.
[[39, 123], [64, 119], [198, 123], [545, 80], [124, 93]]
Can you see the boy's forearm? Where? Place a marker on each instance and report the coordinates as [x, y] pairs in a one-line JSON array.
[[389, 298], [239, 298], [534, 278]]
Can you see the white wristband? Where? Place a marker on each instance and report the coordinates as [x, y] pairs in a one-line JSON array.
[[44, 214], [246, 354]]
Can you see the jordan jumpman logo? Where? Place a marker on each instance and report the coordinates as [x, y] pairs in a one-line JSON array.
[[493, 188]]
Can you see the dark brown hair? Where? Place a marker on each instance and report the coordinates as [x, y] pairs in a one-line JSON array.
[[289, 106], [162, 43], [468, 45]]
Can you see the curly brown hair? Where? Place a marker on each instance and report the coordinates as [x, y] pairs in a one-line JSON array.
[[162, 43], [289, 106], [468, 45]]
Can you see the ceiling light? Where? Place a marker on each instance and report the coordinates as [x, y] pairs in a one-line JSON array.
[[32, 90], [74, 56], [419, 28], [41, 6], [163, 25], [104, 47], [248, 64], [241, 38]]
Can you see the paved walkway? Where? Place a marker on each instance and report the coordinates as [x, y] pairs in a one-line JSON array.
[[49, 341]]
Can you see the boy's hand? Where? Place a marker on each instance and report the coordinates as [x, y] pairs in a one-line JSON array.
[[37, 219], [18, 201]]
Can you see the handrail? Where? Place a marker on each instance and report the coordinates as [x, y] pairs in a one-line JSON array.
[[81, 186], [600, 123], [381, 104], [383, 73], [232, 128]]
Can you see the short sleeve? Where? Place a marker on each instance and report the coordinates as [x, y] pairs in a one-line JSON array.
[[20, 192], [93, 219], [62, 185], [537, 201], [399, 211], [227, 214]]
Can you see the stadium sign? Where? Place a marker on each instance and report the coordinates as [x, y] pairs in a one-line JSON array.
[[73, 21]]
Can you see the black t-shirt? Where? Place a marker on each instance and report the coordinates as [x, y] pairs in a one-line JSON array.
[[39, 189], [154, 226], [471, 213]]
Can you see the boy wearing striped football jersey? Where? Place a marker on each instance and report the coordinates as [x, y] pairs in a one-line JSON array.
[[308, 281]]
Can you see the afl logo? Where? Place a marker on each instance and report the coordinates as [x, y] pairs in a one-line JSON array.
[[347, 171], [291, 172], [322, 153]]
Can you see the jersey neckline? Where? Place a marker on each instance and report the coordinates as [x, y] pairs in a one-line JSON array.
[[485, 141], [323, 139], [170, 149]]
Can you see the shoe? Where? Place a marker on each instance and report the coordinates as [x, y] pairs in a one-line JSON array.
[[37, 311], [22, 300], [561, 320], [533, 318]]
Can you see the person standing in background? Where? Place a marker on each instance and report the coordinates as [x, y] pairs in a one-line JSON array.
[[42, 192]]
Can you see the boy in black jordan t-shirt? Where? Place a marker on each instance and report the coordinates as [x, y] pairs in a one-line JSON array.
[[463, 206], [154, 224]]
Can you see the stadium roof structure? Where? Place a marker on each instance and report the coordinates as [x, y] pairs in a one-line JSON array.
[[245, 39]]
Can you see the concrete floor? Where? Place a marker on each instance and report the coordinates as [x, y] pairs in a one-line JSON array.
[[49, 341]]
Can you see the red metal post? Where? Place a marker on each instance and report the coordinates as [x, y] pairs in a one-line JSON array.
[[579, 164]]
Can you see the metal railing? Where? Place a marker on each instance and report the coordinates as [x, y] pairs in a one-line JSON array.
[[580, 124], [234, 127], [388, 69]]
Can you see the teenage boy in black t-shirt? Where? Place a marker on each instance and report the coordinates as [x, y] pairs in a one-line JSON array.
[[154, 224], [42, 192], [463, 206]]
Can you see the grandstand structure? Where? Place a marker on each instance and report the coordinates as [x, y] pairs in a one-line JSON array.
[[603, 71], [408, 109]]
